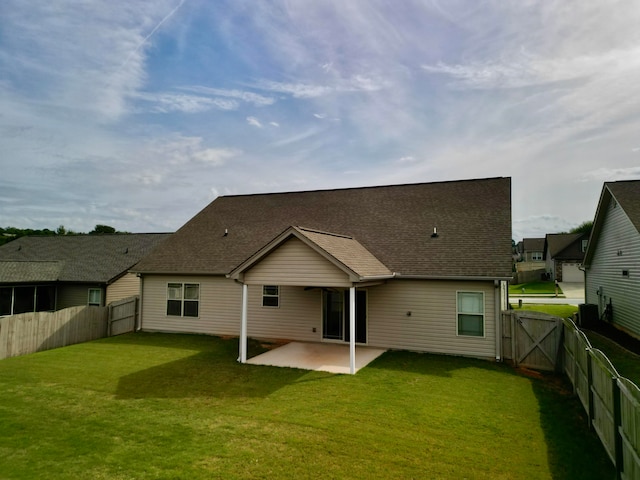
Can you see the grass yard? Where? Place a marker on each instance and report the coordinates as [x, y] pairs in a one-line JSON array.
[[534, 288], [627, 363], [144, 406], [562, 311]]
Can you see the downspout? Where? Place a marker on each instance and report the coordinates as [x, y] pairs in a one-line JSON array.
[[498, 314], [243, 326], [139, 312]]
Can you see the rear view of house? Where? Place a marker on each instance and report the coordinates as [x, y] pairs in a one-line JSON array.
[[55, 272], [419, 267], [612, 260]]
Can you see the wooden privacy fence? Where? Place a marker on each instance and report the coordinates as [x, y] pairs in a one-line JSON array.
[[37, 331], [123, 316], [612, 402], [532, 339]]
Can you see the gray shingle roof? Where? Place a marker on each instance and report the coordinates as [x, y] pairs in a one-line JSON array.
[[74, 258], [347, 251], [565, 246], [627, 194], [394, 223], [533, 244]]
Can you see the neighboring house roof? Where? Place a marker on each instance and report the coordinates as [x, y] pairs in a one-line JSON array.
[[627, 195], [393, 223], [533, 244], [24, 271], [564, 246], [74, 258]]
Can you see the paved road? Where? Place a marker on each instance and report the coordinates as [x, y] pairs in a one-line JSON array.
[[547, 300], [574, 295]]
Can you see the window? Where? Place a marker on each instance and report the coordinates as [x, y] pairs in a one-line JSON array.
[[471, 314], [183, 299], [6, 301], [584, 245], [270, 296], [535, 256], [95, 297]]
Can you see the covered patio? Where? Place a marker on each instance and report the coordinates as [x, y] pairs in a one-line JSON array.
[[338, 265], [325, 357]]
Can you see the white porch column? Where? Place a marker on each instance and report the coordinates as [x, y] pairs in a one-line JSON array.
[[352, 330], [243, 326]]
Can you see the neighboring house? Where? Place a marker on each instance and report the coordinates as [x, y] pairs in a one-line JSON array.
[[563, 254], [612, 260], [532, 253], [47, 273], [387, 266]]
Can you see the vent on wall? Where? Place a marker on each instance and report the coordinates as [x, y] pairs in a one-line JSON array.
[[625, 273]]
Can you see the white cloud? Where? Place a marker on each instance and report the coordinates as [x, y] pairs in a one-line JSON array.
[[215, 156], [611, 174], [170, 102], [253, 121], [245, 96], [274, 124]]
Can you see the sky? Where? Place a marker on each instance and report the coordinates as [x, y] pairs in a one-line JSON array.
[[137, 114]]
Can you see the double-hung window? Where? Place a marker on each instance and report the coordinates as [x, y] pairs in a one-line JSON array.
[[270, 296], [183, 299], [471, 314], [95, 297]]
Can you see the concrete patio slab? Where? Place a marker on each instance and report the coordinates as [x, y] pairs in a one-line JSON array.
[[324, 357]]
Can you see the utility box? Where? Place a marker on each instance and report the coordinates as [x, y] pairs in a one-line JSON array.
[[588, 313]]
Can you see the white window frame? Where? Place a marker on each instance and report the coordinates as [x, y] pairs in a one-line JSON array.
[[585, 244], [458, 313], [94, 304], [266, 296], [183, 300], [536, 256]]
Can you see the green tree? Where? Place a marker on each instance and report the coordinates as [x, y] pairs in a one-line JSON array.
[[584, 227], [102, 229]]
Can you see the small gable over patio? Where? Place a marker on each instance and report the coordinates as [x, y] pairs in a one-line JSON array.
[[308, 257]]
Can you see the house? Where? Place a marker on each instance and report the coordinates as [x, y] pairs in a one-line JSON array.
[[43, 273], [532, 251], [563, 254], [387, 266], [612, 259]]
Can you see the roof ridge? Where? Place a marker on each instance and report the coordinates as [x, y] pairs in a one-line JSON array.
[[365, 187], [312, 230]]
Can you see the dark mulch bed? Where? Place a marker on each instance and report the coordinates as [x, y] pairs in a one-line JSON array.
[[621, 338]]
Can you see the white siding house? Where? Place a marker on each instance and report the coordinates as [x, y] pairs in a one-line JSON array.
[[382, 262], [612, 261]]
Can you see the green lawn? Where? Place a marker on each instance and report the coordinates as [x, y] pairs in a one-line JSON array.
[[562, 311], [143, 406], [534, 288], [627, 363]]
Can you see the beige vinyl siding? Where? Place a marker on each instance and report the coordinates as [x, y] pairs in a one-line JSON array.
[[70, 295], [296, 317], [219, 311], [617, 235], [432, 325], [126, 286], [294, 263]]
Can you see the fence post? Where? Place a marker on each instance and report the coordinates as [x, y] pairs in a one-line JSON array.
[[617, 424], [590, 413]]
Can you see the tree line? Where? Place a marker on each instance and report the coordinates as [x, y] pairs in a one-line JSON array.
[[11, 233]]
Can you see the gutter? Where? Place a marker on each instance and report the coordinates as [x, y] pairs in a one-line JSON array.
[[457, 278]]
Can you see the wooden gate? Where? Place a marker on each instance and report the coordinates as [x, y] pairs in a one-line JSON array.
[[532, 339], [123, 316]]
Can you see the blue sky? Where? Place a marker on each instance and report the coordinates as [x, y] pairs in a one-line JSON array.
[[138, 114]]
